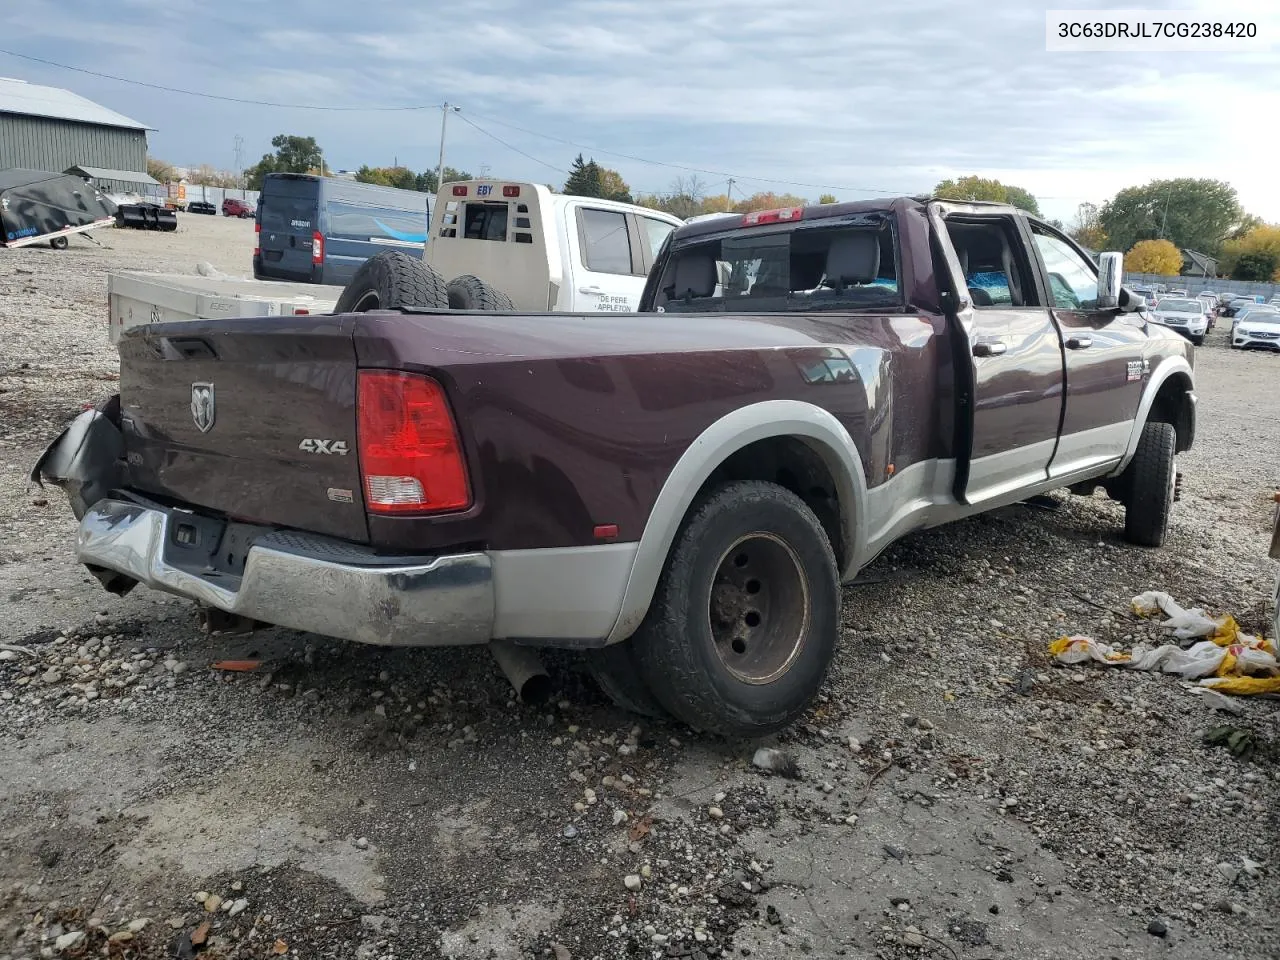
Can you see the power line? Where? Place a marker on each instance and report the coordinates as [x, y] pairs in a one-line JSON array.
[[876, 191], [550, 166], [213, 96]]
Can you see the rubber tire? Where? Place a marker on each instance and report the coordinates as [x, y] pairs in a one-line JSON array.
[[1197, 341], [471, 293], [392, 280], [674, 645], [617, 674], [58, 243], [1149, 499]]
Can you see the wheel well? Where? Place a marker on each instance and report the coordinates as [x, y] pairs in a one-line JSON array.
[[1173, 406], [791, 463]]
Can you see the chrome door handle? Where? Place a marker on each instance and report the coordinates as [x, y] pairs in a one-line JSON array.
[[990, 348], [1079, 343], [590, 290]]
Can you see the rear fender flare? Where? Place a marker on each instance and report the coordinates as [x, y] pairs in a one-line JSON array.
[[1167, 368], [735, 430]]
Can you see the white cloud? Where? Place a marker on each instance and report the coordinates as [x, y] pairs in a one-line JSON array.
[[826, 93]]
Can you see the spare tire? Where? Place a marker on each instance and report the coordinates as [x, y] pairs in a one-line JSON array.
[[471, 293], [390, 281]]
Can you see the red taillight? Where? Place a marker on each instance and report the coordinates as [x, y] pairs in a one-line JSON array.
[[511, 191], [317, 248], [257, 229], [460, 191], [410, 454], [772, 216]]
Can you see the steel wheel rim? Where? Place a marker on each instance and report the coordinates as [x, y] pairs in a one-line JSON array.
[[370, 301], [758, 611]]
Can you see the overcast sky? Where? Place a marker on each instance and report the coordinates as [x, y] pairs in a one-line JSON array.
[[854, 98]]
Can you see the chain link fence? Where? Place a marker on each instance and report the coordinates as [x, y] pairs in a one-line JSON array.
[[1194, 285]]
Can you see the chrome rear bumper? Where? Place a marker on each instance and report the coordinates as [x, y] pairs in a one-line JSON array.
[[288, 580]]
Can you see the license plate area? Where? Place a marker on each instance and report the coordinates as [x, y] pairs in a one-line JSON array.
[[210, 546]]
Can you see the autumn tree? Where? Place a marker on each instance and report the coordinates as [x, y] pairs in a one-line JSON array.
[[827, 198], [1154, 256], [1087, 228], [293, 154], [768, 201], [982, 188], [1190, 213], [1251, 252], [159, 170]]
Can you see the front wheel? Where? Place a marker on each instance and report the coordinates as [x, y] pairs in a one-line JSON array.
[[1151, 484], [743, 626], [1198, 341]]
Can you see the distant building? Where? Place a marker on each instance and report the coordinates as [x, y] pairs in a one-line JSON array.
[[47, 128], [1196, 264]]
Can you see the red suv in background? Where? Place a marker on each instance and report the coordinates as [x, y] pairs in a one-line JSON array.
[[231, 207]]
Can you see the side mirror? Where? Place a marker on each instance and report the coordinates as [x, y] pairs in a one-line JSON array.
[[1110, 271]]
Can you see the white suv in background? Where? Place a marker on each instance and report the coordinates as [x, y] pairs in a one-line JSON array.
[[1189, 317]]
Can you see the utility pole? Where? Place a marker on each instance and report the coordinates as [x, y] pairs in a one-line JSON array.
[[445, 109], [239, 152], [484, 171], [728, 193]]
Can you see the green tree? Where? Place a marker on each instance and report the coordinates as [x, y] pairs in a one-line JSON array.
[[427, 183], [293, 154], [1154, 256], [1190, 213], [827, 198], [982, 188], [588, 179], [1260, 265]]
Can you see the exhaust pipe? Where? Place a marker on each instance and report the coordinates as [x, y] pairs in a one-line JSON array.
[[524, 669]]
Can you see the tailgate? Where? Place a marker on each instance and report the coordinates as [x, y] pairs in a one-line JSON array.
[[254, 419]]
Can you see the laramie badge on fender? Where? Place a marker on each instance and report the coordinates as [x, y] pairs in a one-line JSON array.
[[324, 446], [202, 410]]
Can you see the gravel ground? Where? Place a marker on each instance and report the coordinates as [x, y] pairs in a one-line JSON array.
[[959, 796]]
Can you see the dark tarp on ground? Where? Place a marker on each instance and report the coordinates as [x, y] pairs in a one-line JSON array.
[[35, 203]]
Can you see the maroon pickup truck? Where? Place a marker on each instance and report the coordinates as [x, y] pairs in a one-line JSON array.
[[678, 493]]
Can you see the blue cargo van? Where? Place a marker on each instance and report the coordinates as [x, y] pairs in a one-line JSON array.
[[320, 229]]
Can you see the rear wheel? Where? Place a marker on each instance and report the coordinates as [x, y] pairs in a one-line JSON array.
[[391, 280], [1150, 486], [743, 625], [616, 672], [472, 293], [58, 243]]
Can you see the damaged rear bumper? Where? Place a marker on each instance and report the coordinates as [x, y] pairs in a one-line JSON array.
[[298, 581]]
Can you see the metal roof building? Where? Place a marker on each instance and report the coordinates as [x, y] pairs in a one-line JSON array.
[[47, 128]]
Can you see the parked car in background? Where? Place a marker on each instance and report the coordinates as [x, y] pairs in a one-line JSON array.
[[1236, 304], [678, 493], [235, 207], [1179, 292], [1183, 314], [1260, 329], [202, 206], [1146, 293], [544, 250], [1252, 310], [320, 229]]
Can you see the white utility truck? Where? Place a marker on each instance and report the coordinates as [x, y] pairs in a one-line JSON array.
[[544, 250]]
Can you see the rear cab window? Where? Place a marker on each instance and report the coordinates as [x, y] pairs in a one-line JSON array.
[[840, 264]]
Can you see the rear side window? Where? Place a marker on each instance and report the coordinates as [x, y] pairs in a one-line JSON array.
[[354, 221], [846, 266], [606, 246]]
